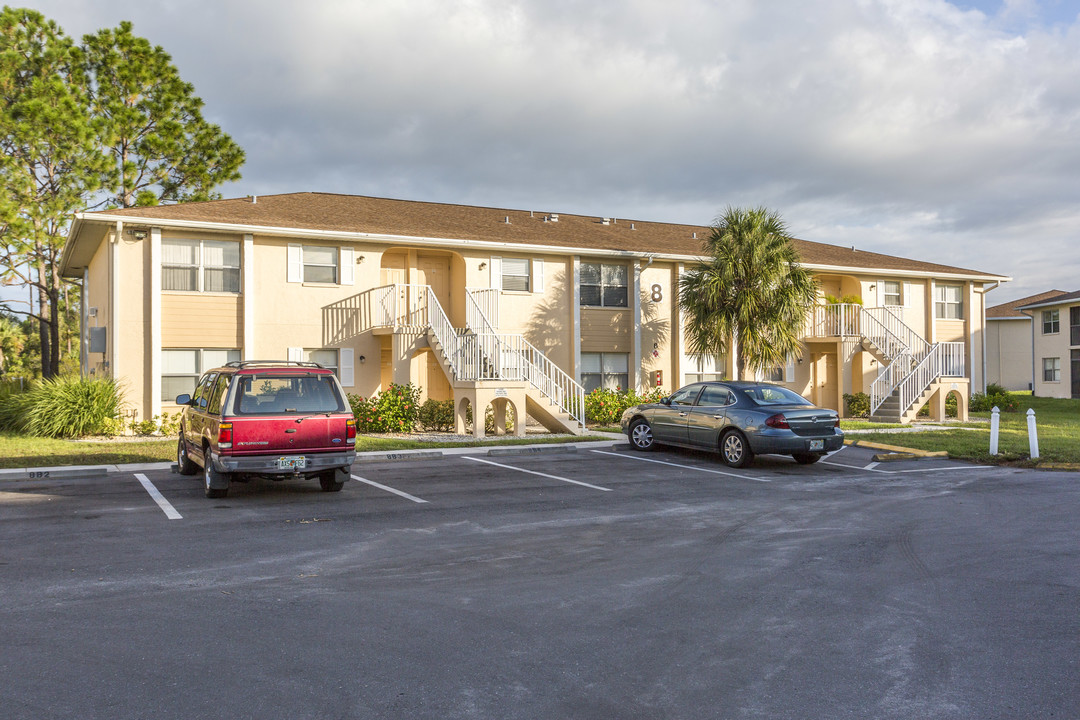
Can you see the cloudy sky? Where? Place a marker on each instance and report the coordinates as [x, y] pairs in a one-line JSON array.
[[944, 131]]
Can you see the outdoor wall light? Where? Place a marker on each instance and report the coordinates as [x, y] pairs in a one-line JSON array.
[[483, 265], [359, 259], [361, 359]]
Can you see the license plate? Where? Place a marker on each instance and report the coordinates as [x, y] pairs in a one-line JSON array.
[[817, 444], [292, 463]]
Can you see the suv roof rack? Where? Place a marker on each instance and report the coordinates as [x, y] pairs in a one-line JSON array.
[[271, 363]]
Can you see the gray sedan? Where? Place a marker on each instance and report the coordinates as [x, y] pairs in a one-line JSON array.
[[738, 420]]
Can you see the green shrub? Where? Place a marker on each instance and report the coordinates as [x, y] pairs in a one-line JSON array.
[[437, 415], [63, 407], [396, 409], [605, 407], [166, 424], [985, 402], [858, 404]]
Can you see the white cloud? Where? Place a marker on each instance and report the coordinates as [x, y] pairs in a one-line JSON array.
[[947, 132]]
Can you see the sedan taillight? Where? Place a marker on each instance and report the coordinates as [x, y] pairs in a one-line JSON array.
[[224, 435], [350, 432], [778, 421]]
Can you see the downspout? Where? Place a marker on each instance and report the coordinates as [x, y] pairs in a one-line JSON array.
[[113, 299], [982, 291]]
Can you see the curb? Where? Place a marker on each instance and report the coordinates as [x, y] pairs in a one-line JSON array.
[[374, 456], [897, 449]]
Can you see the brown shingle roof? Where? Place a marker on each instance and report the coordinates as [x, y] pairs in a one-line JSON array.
[[359, 214], [1051, 299], [1012, 309]]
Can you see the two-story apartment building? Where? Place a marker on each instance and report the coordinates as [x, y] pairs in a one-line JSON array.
[[512, 308], [1055, 342]]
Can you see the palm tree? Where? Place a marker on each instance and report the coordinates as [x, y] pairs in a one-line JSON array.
[[751, 290]]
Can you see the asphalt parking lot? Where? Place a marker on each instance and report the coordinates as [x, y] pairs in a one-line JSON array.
[[598, 583]]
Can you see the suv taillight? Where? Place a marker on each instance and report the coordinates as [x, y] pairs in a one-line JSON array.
[[224, 435], [778, 421], [350, 432]]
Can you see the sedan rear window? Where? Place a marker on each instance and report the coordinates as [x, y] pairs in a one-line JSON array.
[[774, 395], [273, 394]]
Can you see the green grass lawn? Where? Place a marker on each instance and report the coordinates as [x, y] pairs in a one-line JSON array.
[[17, 451], [1058, 424]]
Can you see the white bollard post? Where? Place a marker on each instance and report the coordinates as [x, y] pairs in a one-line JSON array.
[[995, 422], [1033, 435]]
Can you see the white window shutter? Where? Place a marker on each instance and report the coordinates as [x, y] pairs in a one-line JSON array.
[[347, 258], [296, 263], [880, 293], [296, 354], [906, 299], [538, 275], [496, 273], [345, 367], [789, 371]]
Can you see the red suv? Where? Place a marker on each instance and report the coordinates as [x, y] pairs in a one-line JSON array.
[[272, 419]]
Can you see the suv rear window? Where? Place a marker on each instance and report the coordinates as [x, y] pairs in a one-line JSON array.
[[266, 394]]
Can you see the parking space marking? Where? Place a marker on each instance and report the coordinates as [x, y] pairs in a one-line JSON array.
[[165, 505], [533, 472], [405, 495], [687, 467], [871, 466]]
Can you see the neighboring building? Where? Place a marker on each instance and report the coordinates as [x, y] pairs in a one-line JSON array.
[[1008, 343], [1056, 341], [513, 308]]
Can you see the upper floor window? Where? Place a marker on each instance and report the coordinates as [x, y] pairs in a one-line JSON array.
[[891, 293], [323, 264], [1074, 325], [603, 285], [515, 274], [949, 302], [1051, 322], [200, 265]]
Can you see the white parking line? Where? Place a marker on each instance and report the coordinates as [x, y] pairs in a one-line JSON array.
[[871, 466], [687, 467], [405, 495], [533, 472], [165, 505]]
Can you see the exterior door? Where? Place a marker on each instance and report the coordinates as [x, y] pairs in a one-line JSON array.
[[393, 272], [434, 271], [1075, 373]]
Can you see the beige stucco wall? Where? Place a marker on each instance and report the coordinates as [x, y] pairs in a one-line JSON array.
[[1008, 353], [1051, 346]]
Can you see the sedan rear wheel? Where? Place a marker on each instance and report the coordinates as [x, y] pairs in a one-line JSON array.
[[641, 437], [734, 450]]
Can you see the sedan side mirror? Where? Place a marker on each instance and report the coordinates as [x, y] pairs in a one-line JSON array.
[[665, 401], [184, 399]]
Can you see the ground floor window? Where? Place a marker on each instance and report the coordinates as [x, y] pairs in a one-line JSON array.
[[610, 371], [327, 358], [1051, 369], [704, 367], [181, 368]]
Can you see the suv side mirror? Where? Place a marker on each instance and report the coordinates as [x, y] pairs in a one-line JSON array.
[[184, 399]]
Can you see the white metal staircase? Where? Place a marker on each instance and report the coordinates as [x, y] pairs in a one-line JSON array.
[[478, 353], [909, 364]]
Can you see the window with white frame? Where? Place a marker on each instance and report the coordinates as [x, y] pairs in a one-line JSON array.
[[320, 264], [515, 274], [949, 302], [1051, 322], [1074, 325], [181, 368], [604, 285], [610, 371], [1051, 369], [328, 358], [200, 265], [704, 367], [890, 294]]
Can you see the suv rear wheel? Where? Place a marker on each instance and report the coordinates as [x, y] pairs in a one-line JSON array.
[[184, 464], [212, 479], [330, 481]]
